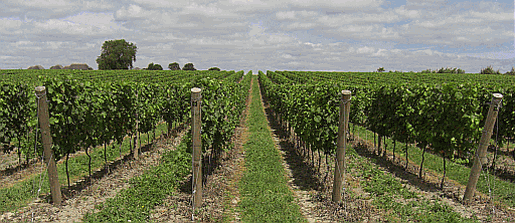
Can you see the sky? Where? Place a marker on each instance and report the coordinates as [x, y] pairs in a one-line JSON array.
[[313, 35]]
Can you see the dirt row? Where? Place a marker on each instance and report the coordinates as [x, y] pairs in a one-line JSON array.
[[85, 195], [220, 192]]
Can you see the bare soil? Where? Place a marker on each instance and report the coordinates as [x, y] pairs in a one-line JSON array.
[[12, 171], [312, 185], [451, 194]]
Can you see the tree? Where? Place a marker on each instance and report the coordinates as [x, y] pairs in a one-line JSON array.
[[445, 71], [451, 70], [189, 66], [152, 66], [174, 66], [512, 72], [381, 69], [214, 68], [489, 70], [117, 55]]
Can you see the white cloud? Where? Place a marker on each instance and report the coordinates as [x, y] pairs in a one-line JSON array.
[[256, 29], [132, 12], [159, 4], [56, 26], [210, 10], [289, 15], [260, 34], [410, 14], [286, 56], [365, 50], [10, 26], [56, 4], [301, 26], [336, 5], [380, 53], [493, 17]]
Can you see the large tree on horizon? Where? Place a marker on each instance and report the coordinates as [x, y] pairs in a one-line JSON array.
[[189, 66], [174, 66], [117, 55]]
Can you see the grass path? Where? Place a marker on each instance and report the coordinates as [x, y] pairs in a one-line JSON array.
[[501, 189], [265, 195], [23, 192]]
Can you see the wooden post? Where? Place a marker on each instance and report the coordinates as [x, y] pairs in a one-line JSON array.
[[480, 157], [342, 142], [44, 125], [197, 146], [136, 138]]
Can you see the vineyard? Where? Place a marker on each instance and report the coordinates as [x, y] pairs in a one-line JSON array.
[[412, 142]]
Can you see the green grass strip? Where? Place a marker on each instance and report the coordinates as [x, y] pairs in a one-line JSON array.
[[501, 189], [23, 192], [386, 192], [263, 187], [146, 191]]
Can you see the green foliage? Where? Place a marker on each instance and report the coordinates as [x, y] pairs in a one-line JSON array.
[[214, 68], [116, 55], [152, 66], [16, 119], [512, 72], [446, 70], [222, 106], [189, 66], [86, 113], [381, 69], [146, 191], [489, 70], [446, 117], [236, 77], [174, 66]]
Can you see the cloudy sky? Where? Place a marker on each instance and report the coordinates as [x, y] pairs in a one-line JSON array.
[[335, 35]]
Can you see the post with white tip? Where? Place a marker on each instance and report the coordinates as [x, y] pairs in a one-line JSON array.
[[44, 125], [196, 101], [342, 143], [480, 156]]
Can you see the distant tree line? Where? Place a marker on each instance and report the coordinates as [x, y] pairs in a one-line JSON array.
[[119, 55], [447, 70], [176, 66]]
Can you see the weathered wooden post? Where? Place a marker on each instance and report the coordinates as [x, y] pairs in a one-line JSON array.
[[196, 101], [480, 157], [44, 125], [342, 142], [136, 138], [135, 150]]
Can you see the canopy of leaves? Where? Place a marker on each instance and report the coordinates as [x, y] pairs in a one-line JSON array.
[[189, 66], [381, 69], [117, 55], [152, 66], [174, 66], [512, 72], [214, 68]]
